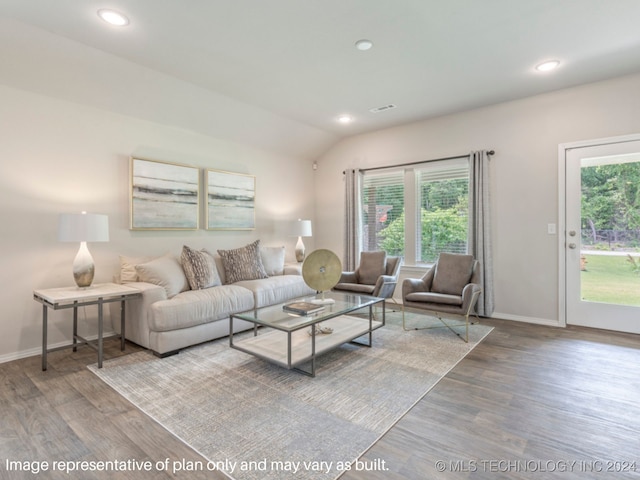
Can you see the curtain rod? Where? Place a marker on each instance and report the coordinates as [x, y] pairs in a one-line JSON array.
[[489, 152]]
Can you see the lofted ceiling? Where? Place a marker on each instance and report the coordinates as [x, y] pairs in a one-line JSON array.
[[297, 60]]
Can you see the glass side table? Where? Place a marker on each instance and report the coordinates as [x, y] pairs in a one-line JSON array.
[[74, 297]]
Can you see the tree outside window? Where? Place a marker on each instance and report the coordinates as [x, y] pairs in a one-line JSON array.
[[442, 222]]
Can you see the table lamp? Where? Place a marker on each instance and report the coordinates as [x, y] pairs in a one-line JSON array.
[[83, 227], [300, 228]]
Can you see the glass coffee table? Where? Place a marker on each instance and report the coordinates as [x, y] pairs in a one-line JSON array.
[[292, 340]]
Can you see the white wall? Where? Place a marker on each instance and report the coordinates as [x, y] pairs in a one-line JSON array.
[[57, 156], [42, 62], [524, 172]]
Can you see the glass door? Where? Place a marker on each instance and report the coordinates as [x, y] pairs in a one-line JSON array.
[[602, 237]]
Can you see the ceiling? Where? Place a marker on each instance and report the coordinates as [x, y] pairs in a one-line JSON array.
[[296, 58]]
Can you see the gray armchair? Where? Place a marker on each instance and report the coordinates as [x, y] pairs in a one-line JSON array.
[[451, 286], [376, 275]]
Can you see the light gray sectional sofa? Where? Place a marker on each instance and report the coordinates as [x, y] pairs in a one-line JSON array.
[[188, 299]]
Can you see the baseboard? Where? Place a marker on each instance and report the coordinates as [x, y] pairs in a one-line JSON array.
[[32, 352], [520, 318]]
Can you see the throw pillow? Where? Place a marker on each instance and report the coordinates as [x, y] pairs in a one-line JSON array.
[[372, 265], [273, 260], [243, 263], [128, 272], [453, 272], [200, 268], [166, 272]]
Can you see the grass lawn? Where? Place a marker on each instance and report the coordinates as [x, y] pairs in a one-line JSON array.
[[610, 279]]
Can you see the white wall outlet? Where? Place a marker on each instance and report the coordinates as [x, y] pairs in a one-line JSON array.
[[551, 228]]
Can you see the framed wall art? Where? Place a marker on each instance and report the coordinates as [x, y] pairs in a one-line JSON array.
[[230, 200], [164, 196]]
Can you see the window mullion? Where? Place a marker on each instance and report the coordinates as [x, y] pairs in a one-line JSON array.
[[412, 216]]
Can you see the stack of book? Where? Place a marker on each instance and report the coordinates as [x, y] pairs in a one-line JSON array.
[[303, 308]]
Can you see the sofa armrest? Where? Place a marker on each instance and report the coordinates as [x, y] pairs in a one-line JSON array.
[[137, 312], [470, 295], [385, 286], [292, 269], [412, 285]]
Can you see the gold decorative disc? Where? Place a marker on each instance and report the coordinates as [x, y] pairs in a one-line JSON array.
[[321, 270]]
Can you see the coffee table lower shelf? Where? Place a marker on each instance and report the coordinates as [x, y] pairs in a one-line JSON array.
[[295, 348]]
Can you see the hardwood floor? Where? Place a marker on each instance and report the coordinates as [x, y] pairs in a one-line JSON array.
[[528, 402]]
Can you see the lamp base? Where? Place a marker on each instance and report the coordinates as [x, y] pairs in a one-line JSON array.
[[83, 267], [300, 250]]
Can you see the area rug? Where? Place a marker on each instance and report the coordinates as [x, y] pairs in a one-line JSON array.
[[254, 420]]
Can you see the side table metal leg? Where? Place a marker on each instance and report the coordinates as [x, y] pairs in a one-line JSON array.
[[370, 325], [100, 333], [122, 325], [44, 338], [75, 326]]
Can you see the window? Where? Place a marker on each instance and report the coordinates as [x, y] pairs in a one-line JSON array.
[[443, 196], [434, 194], [383, 212]]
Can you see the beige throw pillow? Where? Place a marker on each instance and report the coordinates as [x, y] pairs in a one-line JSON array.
[[200, 268], [243, 263], [128, 272], [166, 272], [273, 260]]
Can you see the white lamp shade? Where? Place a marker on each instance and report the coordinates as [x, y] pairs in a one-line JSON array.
[[83, 227], [301, 228]]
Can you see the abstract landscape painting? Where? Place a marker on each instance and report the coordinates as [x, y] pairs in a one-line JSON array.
[[164, 196], [230, 201]]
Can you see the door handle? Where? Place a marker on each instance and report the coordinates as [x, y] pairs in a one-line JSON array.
[[572, 245]]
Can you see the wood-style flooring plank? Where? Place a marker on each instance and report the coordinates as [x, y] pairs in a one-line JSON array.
[[528, 396]]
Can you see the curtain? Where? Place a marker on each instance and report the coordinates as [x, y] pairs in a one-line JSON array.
[[352, 229], [480, 244]]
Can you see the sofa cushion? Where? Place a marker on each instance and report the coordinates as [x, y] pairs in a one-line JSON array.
[[196, 307], [356, 287], [166, 272], [372, 265], [243, 263], [430, 297], [273, 260], [278, 289], [453, 272], [200, 268]]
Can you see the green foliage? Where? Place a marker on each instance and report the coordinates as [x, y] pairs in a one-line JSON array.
[[393, 237], [611, 197], [443, 230], [443, 217]]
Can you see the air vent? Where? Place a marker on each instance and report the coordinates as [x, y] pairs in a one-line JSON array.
[[383, 108]]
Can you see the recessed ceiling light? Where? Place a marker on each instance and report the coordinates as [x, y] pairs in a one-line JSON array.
[[364, 44], [345, 119], [548, 66], [113, 18]]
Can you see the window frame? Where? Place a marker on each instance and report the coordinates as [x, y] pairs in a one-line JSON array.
[[412, 201]]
